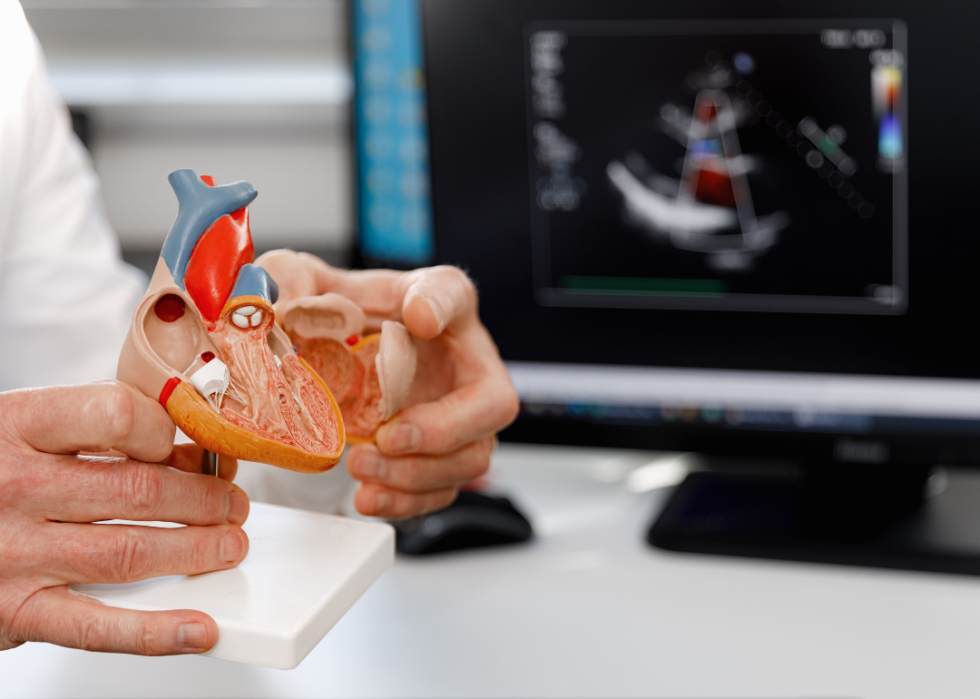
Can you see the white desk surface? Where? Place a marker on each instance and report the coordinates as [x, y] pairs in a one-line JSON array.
[[587, 610]]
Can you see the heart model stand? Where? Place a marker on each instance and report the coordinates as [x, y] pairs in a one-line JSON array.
[[303, 572], [204, 342]]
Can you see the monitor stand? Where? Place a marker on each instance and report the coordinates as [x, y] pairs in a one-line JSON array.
[[860, 515]]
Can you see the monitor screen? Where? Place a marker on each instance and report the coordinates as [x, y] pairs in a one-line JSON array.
[[729, 165], [698, 225]]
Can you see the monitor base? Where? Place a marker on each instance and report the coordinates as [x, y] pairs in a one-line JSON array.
[[861, 516]]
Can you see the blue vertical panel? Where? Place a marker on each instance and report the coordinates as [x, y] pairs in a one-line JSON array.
[[392, 147]]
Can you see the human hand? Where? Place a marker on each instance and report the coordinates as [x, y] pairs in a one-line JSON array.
[[461, 396], [49, 497]]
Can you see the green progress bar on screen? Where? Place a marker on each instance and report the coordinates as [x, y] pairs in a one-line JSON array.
[[642, 286]]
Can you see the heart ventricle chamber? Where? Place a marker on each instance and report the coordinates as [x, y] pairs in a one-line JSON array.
[[282, 401], [352, 377], [370, 376]]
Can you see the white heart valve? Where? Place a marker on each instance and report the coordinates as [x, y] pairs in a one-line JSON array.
[[212, 381]]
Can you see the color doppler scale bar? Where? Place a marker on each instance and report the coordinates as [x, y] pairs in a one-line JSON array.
[[749, 390]]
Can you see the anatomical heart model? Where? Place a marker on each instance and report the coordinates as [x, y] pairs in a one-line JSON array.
[[204, 341]]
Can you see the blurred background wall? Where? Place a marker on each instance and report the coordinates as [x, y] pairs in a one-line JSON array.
[[253, 90]]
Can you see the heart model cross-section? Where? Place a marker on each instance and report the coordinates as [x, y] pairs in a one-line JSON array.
[[204, 341]]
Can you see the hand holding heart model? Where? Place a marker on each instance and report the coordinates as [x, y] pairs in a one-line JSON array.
[[204, 341]]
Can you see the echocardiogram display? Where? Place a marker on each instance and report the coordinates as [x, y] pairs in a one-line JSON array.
[[750, 166]]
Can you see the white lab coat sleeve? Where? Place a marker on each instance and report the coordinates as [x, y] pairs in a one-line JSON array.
[[66, 298]]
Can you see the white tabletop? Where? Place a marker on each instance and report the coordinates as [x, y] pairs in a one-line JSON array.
[[587, 610]]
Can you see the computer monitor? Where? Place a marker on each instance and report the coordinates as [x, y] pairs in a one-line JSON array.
[[699, 225]]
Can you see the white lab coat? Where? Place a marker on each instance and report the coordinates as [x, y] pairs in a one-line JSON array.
[[66, 298]]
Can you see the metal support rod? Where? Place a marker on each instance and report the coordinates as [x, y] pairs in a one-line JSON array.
[[211, 465]]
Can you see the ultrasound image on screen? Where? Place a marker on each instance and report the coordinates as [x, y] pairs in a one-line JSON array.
[[746, 166]]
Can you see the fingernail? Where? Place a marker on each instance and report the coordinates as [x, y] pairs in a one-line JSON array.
[[437, 311], [369, 463], [416, 291], [237, 507], [193, 637], [233, 546], [402, 438]]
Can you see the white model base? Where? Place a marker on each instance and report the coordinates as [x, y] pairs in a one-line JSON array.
[[303, 572]]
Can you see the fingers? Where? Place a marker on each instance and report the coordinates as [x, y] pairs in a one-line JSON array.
[[427, 299], [73, 490], [399, 487], [93, 417], [58, 615], [472, 411], [379, 292], [377, 501], [420, 473], [191, 459], [435, 298], [117, 553]]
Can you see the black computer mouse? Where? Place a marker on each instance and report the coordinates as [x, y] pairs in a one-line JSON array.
[[472, 520]]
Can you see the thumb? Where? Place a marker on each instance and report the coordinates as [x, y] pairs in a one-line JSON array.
[[436, 298]]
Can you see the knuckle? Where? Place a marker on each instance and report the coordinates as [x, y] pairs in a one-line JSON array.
[[92, 634], [129, 556], [203, 552], [142, 643], [214, 498], [142, 489], [116, 410]]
